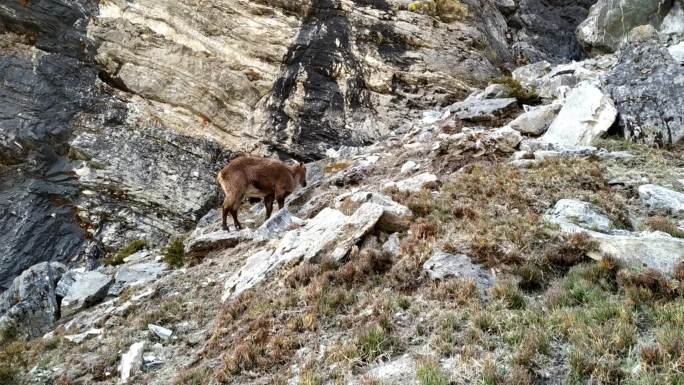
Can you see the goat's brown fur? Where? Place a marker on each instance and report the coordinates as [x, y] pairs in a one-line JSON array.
[[257, 177]]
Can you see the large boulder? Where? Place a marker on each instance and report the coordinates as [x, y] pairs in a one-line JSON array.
[[587, 115], [647, 86], [29, 307], [609, 21], [395, 217]]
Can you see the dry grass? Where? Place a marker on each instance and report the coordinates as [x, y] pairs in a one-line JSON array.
[[664, 224]]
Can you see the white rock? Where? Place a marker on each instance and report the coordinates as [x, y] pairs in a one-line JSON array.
[[131, 361], [163, 333], [659, 198], [586, 115], [277, 224], [677, 52], [401, 370], [537, 120], [78, 338], [415, 183], [580, 213], [409, 166]]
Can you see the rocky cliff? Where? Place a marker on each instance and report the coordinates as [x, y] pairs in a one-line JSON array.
[[457, 167]]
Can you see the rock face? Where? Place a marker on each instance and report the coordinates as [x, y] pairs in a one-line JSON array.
[[651, 107], [586, 115], [29, 307], [609, 21], [545, 29]]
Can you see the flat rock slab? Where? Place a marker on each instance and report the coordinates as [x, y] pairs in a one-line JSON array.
[[444, 266], [654, 250], [137, 274], [580, 213], [222, 239], [401, 370], [482, 110], [535, 121], [330, 230], [88, 288], [661, 199]]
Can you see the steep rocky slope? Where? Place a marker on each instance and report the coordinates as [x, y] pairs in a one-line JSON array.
[[451, 215]]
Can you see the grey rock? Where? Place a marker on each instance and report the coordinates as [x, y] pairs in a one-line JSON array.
[[661, 199], [329, 231], [87, 289], [278, 223], [536, 120], [609, 21], [647, 86], [493, 91], [221, 239], [482, 110], [580, 213], [392, 245], [586, 115], [350, 176], [444, 266], [395, 216], [161, 332], [313, 206], [29, 307], [150, 361], [545, 30], [135, 274], [654, 250]]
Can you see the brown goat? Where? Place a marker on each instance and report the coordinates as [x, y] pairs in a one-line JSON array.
[[253, 177]]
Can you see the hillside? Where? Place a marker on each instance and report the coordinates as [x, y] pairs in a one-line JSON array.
[[495, 192]]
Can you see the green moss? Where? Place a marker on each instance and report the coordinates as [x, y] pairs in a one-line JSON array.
[[174, 253], [524, 95], [126, 251]]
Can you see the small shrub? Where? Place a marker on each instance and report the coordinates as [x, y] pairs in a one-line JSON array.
[[572, 252], [524, 95], [194, 376], [659, 223], [651, 355], [510, 295], [429, 373], [126, 251], [374, 342], [491, 374], [174, 253]]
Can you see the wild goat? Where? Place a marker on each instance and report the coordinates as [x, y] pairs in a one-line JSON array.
[[252, 177]]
